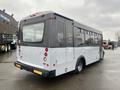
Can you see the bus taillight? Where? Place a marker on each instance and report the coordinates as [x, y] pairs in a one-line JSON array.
[[45, 54], [46, 49]]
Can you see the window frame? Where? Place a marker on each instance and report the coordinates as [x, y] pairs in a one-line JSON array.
[[64, 36], [32, 24], [81, 31], [42, 35]]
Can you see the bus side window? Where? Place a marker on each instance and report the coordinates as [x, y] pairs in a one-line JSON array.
[[69, 34], [99, 39], [92, 39], [61, 33], [96, 39], [87, 38], [78, 37], [82, 37]]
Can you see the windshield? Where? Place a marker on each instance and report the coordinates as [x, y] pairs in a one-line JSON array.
[[33, 33]]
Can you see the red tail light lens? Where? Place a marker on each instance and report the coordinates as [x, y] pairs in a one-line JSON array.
[[45, 54], [46, 49]]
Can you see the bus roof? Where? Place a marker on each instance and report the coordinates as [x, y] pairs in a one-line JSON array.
[[77, 24], [37, 14]]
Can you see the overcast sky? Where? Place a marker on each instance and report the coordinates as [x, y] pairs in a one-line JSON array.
[[101, 14]]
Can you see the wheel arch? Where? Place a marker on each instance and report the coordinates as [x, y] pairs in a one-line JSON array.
[[81, 58]]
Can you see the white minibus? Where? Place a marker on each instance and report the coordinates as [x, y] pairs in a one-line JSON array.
[[51, 45]]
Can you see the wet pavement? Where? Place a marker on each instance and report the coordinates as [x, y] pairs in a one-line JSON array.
[[103, 75]]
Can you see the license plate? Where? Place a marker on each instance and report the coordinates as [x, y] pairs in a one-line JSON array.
[[37, 72]]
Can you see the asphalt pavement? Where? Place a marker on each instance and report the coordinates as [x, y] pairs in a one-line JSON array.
[[103, 75]]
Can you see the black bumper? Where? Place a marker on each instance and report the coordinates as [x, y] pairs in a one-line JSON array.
[[45, 73]]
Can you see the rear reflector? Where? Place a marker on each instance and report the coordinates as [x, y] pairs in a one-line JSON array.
[[18, 66], [46, 49], [47, 64], [37, 72], [45, 54]]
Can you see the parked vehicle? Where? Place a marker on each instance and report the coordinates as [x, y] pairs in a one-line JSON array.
[[8, 29], [109, 45], [51, 44], [105, 44]]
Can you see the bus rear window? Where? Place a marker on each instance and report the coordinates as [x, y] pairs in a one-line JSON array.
[[33, 32]]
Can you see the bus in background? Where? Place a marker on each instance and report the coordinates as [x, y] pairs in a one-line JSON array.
[[51, 45]]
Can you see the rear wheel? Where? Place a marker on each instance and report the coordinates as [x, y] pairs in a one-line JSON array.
[[79, 66], [2, 48], [8, 47]]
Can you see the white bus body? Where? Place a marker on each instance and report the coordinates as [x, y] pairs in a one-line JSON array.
[[51, 45]]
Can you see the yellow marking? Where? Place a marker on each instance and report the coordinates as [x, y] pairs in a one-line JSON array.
[[37, 72], [17, 65]]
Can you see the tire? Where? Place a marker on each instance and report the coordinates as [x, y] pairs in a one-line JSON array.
[[79, 66], [8, 47], [2, 48]]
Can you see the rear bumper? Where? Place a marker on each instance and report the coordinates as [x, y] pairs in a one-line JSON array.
[[35, 70]]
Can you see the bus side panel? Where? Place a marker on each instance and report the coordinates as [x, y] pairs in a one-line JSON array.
[[57, 44], [52, 42], [70, 62], [60, 50], [91, 54], [59, 62], [64, 51], [85, 45]]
